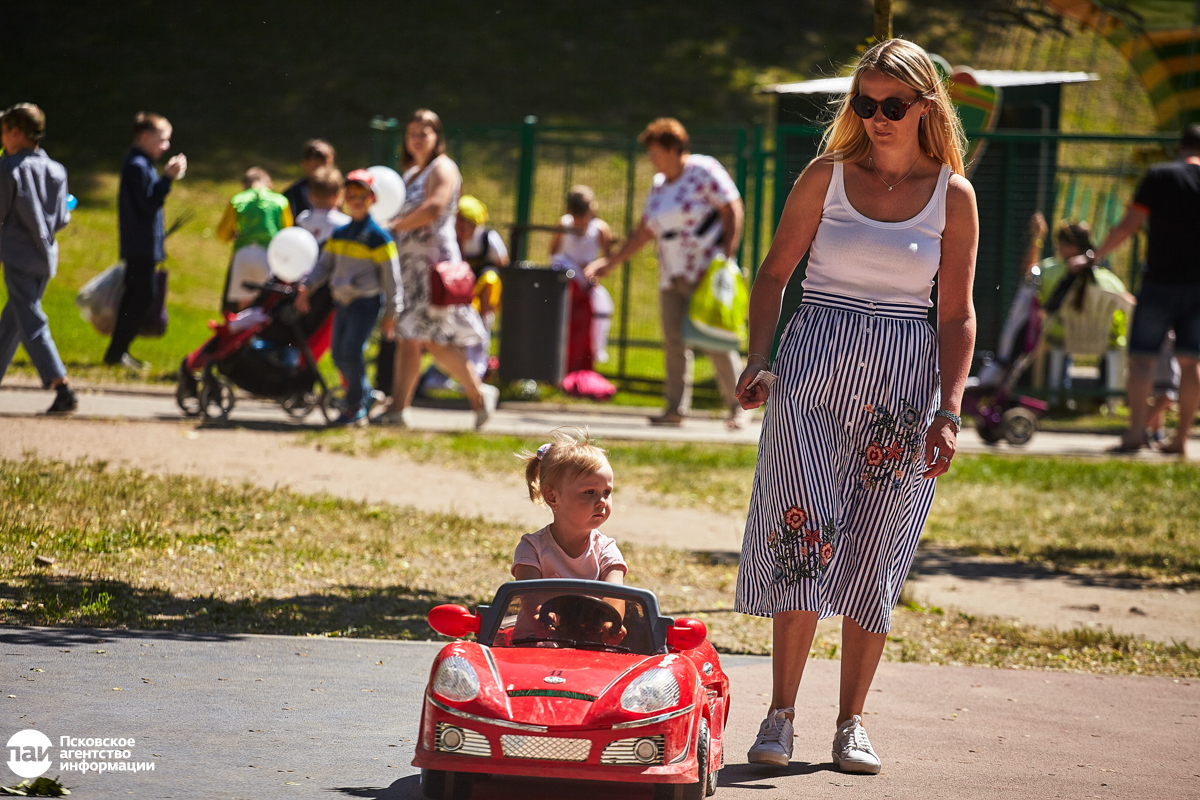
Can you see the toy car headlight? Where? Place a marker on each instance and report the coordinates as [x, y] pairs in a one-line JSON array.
[[456, 680], [653, 690]]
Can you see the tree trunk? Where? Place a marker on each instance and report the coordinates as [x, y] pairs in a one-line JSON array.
[[883, 20]]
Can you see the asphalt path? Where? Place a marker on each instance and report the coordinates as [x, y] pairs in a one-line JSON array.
[[265, 717]]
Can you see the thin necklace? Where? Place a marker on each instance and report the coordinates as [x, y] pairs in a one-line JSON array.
[[897, 183]]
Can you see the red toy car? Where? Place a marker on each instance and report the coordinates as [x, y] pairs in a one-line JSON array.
[[573, 679]]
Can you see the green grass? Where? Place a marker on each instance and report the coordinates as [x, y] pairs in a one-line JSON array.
[[186, 554], [1108, 517]]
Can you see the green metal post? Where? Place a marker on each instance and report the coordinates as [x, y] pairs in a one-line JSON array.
[[739, 179], [383, 140], [525, 184], [627, 268], [1006, 219], [568, 170], [759, 174]]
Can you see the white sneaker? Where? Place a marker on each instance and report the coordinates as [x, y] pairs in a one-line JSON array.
[[401, 417], [774, 743], [852, 750], [491, 396]]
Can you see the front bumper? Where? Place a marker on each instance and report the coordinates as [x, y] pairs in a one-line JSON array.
[[574, 753]]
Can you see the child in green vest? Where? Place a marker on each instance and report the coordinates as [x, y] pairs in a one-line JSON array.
[[253, 216]]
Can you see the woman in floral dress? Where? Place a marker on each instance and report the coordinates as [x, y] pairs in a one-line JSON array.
[[425, 236], [864, 411]]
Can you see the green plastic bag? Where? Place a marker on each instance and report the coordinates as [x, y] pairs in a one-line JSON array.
[[716, 318]]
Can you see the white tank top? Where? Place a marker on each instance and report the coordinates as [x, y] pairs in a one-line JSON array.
[[579, 250], [888, 262]]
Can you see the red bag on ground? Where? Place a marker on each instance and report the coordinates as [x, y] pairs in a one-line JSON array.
[[588, 384], [451, 283]]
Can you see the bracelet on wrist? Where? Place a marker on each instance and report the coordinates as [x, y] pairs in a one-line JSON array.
[[753, 356], [955, 419]]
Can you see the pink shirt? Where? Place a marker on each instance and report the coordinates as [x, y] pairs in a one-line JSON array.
[[541, 551]]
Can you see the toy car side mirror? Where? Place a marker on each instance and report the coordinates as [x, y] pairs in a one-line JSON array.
[[453, 620], [686, 634]]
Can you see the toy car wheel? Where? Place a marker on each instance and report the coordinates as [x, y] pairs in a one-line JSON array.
[[711, 787], [442, 785], [300, 404], [1019, 425], [987, 432], [216, 397], [187, 392], [692, 791], [332, 400]]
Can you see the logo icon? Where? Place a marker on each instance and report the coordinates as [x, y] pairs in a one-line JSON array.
[[29, 753], [554, 679]]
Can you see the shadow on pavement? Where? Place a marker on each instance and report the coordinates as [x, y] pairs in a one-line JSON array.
[[753, 776], [394, 612], [399, 790], [961, 564]]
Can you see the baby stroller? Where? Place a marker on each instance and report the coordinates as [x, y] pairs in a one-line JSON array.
[[270, 349], [999, 411]]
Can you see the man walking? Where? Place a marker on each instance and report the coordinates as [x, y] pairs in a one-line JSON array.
[[140, 219], [33, 208], [1169, 198]]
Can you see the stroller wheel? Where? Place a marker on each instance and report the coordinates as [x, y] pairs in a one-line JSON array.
[[216, 397], [300, 404], [987, 431], [332, 402], [1019, 425], [187, 392]]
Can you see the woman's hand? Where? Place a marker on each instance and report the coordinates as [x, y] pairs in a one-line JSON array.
[[941, 442], [751, 397], [388, 328], [302, 299]]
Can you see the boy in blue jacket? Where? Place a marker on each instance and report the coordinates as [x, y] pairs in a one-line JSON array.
[[362, 267], [33, 208]]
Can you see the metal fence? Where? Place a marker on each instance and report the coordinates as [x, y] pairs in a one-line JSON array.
[[522, 172]]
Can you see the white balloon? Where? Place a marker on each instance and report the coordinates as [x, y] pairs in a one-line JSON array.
[[389, 194], [292, 254]]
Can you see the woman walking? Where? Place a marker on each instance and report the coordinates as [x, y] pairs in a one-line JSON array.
[[864, 412], [693, 213], [425, 236]]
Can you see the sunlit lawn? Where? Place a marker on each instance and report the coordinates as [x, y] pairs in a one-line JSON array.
[[190, 554]]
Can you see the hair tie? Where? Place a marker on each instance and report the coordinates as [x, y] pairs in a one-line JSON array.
[[541, 451]]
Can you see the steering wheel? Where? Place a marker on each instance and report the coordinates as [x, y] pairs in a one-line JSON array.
[[578, 616]]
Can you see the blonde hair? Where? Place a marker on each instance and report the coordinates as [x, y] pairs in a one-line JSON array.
[[939, 134], [569, 454]]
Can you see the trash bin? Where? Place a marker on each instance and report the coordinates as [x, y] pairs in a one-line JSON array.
[[533, 323]]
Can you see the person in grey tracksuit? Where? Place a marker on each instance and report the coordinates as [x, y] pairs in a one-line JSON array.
[[33, 208]]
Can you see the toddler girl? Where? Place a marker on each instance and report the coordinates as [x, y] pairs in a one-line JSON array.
[[573, 477], [584, 238]]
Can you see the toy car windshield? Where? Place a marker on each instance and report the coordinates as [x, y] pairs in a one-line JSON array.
[[581, 621]]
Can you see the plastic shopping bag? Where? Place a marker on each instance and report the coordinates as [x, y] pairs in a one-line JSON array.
[[716, 318], [100, 298]]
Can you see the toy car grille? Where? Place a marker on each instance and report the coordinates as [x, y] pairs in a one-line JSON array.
[[473, 743], [622, 752], [546, 747]]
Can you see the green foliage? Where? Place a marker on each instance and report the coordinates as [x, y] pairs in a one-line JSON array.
[[244, 82]]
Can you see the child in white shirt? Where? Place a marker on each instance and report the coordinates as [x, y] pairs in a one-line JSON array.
[[573, 477], [326, 188]]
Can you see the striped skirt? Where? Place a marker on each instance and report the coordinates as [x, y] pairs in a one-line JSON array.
[[839, 500]]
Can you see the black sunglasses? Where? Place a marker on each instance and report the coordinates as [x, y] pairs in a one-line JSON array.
[[893, 108]]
